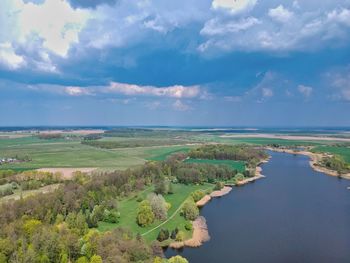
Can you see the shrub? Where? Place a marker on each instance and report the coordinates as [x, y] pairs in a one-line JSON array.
[[198, 195], [219, 186], [180, 236], [188, 226]]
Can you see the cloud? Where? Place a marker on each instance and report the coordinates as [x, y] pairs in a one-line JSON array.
[[305, 90], [235, 6], [279, 31], [77, 91], [217, 27], [180, 106], [9, 58], [177, 91], [267, 93], [280, 14], [90, 3]]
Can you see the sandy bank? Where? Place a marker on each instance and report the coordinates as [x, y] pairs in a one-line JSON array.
[[214, 194], [67, 173], [199, 236], [315, 158]]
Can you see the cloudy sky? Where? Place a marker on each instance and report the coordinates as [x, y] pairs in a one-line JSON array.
[[184, 62]]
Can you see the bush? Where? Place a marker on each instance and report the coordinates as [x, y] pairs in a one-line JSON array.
[[180, 236], [188, 226], [111, 216], [177, 259], [198, 195], [219, 186]]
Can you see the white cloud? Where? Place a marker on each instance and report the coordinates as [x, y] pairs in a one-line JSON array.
[[180, 106], [55, 22], [311, 31], [234, 99], [305, 90], [217, 27], [177, 91], [266, 92], [9, 58], [77, 91], [235, 6], [280, 14]]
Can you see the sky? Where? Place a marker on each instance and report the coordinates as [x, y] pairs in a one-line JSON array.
[[185, 63]]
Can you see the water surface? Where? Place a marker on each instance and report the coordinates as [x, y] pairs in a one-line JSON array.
[[294, 215]]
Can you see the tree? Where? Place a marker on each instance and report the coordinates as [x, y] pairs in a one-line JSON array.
[[2, 258], [190, 210], [82, 260], [159, 206], [161, 186], [163, 235], [177, 259], [145, 215], [96, 259]]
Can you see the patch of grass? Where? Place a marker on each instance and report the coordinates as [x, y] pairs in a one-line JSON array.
[[237, 165]]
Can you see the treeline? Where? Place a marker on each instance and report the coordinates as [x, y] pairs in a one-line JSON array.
[[130, 143], [336, 163], [249, 154], [50, 136]]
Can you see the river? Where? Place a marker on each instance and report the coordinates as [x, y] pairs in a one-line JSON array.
[[293, 215]]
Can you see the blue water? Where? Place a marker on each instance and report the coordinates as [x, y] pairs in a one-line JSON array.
[[294, 215]]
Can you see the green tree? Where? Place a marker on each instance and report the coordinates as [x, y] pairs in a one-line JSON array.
[[96, 259], [145, 215], [190, 210], [82, 260], [177, 259]]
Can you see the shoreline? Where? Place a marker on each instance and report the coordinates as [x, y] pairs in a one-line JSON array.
[[314, 159], [200, 233]]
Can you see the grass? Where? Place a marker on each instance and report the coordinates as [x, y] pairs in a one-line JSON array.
[[160, 154], [71, 153], [128, 211], [342, 151], [237, 165]]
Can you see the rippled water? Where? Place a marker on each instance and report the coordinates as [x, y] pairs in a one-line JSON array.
[[294, 215]]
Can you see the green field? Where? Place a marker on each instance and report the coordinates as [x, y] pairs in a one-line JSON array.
[[71, 153], [160, 154], [237, 165], [338, 150], [128, 211]]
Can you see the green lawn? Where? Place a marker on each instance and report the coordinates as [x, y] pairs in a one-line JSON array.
[[128, 211], [342, 151], [237, 165]]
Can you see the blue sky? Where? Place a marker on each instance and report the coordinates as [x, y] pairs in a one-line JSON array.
[[158, 62]]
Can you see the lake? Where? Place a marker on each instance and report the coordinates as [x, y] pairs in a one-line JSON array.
[[293, 215]]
